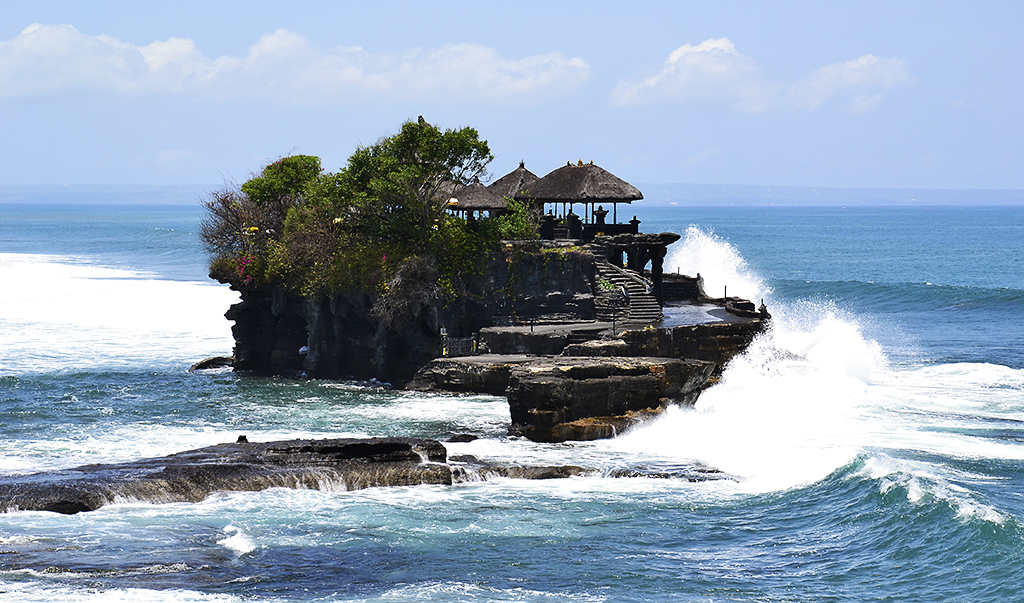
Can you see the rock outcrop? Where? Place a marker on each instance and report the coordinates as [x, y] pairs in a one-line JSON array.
[[569, 398], [533, 301], [331, 464], [715, 342], [572, 398], [192, 476], [276, 331]]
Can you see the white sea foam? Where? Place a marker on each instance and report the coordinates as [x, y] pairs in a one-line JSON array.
[[36, 592], [237, 541], [463, 591], [718, 262], [63, 313], [924, 482], [786, 413], [814, 392]]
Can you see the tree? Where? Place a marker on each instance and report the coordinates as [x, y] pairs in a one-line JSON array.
[[407, 179], [376, 226]]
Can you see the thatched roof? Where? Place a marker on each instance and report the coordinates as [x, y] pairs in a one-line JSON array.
[[476, 196], [583, 184], [519, 180]]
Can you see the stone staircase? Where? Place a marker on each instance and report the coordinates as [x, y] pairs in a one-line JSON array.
[[642, 306]]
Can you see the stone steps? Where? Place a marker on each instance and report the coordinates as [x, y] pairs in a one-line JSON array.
[[643, 306]]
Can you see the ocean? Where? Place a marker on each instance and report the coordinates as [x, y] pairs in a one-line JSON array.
[[872, 440]]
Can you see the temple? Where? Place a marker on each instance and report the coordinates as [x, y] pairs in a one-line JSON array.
[[622, 251], [582, 330]]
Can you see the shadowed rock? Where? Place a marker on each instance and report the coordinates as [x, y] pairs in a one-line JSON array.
[[214, 362], [468, 468]]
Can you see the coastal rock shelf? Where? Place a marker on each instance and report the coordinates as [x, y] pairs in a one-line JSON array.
[[338, 464], [330, 464]]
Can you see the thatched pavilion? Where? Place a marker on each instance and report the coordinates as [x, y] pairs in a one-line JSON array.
[[476, 198], [589, 185], [517, 182], [558, 192]]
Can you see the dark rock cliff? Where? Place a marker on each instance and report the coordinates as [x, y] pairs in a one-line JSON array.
[[277, 331]]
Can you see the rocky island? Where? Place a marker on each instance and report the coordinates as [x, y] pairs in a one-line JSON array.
[[404, 268]]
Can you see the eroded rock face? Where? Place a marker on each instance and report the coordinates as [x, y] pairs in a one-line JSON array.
[[484, 374], [570, 398], [276, 331], [714, 342]]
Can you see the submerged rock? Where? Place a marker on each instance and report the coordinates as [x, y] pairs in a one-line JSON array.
[[214, 362]]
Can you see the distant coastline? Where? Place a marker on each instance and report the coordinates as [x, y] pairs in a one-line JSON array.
[[724, 195], [655, 195]]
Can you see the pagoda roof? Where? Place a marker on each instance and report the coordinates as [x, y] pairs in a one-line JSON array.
[[476, 196], [582, 183], [518, 181]]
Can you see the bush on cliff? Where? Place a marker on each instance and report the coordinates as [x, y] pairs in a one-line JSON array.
[[378, 226]]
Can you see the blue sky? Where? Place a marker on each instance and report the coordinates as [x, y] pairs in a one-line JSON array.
[[863, 94]]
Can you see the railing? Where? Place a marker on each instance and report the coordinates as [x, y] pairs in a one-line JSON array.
[[458, 346], [592, 230]]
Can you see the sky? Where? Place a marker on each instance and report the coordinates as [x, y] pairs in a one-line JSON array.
[[856, 94]]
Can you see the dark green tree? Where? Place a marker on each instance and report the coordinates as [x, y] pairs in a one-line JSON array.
[[377, 226], [405, 180]]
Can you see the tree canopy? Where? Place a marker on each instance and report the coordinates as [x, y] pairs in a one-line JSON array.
[[376, 226]]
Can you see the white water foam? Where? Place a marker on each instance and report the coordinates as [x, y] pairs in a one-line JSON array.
[[719, 263], [63, 313], [924, 482], [34, 592], [237, 541], [813, 394], [786, 413]]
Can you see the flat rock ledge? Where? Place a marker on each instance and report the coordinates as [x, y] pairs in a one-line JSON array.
[[329, 465], [560, 398]]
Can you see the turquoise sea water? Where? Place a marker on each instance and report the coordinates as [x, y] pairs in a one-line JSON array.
[[874, 438]]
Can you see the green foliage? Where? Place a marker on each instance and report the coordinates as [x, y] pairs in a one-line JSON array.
[[377, 226], [284, 178], [519, 223], [403, 182]]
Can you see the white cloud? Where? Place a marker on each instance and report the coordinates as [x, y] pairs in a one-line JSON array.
[[860, 77], [865, 103], [282, 66], [714, 74], [711, 73], [701, 157]]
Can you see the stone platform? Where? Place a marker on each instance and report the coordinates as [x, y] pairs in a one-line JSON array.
[[559, 398]]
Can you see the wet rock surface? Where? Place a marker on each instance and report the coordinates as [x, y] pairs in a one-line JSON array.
[[468, 468], [346, 464], [572, 398], [330, 464], [560, 398]]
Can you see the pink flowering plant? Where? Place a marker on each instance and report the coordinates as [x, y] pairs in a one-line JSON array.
[[245, 267]]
